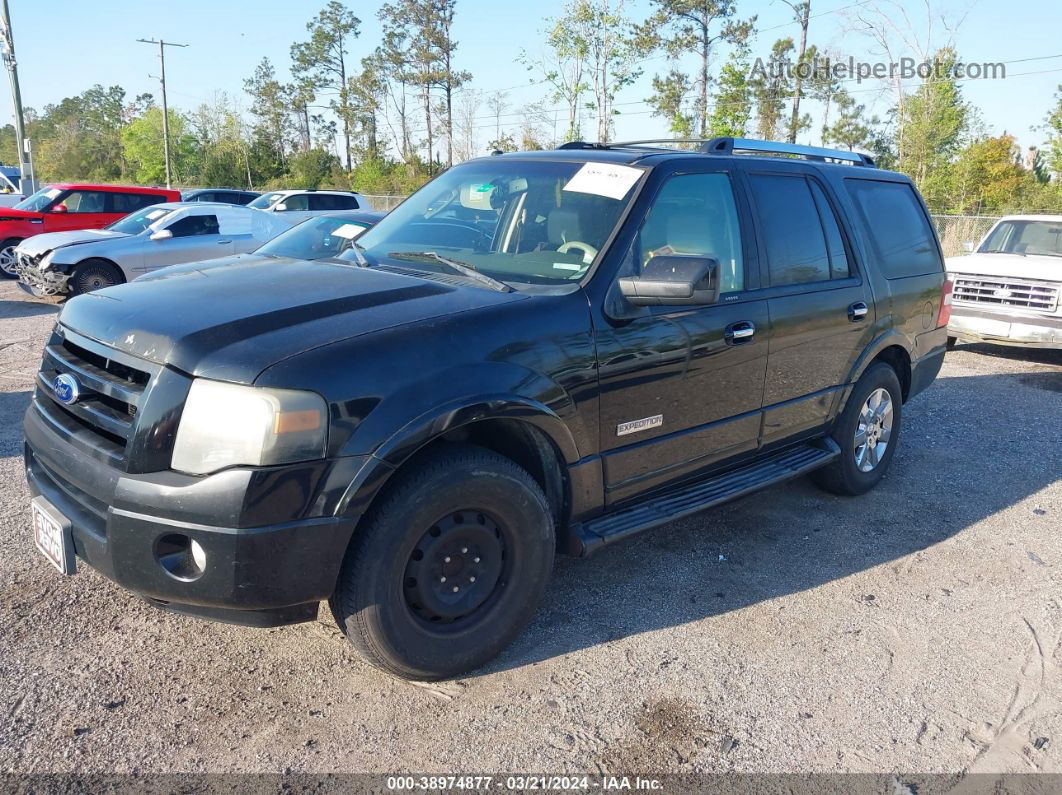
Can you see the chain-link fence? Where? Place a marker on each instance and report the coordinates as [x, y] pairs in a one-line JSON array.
[[385, 203], [959, 233]]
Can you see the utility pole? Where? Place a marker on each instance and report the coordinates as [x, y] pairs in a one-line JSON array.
[[165, 109], [7, 44]]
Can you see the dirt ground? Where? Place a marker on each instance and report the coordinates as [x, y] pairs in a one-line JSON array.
[[916, 628]]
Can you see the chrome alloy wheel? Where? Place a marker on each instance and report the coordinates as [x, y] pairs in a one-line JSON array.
[[873, 430], [8, 260]]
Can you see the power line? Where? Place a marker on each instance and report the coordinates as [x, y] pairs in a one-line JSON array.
[[165, 109]]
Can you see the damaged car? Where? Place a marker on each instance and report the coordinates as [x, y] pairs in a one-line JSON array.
[[76, 262]]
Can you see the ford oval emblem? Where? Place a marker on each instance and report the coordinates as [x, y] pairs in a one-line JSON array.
[[66, 388], [1002, 292]]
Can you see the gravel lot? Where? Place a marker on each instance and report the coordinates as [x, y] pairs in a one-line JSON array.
[[916, 628]]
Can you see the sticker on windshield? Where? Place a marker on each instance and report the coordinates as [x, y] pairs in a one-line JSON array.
[[348, 231], [604, 179]]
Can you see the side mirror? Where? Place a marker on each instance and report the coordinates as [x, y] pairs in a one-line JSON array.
[[161, 234], [60, 208], [280, 208], [968, 246], [674, 280]]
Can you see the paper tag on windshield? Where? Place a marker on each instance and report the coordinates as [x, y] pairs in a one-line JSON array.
[[604, 179], [348, 231]]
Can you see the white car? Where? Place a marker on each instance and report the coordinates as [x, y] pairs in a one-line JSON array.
[[298, 205], [1007, 290], [80, 261]]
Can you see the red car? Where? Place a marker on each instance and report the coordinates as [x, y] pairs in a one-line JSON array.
[[61, 208]]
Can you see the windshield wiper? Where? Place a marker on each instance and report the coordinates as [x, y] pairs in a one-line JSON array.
[[461, 267]]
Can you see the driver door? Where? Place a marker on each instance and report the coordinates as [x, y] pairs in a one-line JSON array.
[[81, 209], [195, 238], [682, 386]]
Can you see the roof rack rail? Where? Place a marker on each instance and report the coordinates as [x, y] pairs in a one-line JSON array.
[[583, 145], [727, 145]]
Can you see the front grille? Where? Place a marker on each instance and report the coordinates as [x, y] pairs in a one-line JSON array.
[[112, 386], [1019, 293]]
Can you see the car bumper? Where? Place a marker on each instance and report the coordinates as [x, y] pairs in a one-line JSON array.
[[123, 525], [1005, 328], [42, 284]]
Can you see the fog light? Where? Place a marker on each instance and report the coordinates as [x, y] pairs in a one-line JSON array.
[[180, 556]]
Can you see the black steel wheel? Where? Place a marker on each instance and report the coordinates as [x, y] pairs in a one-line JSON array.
[[449, 565]]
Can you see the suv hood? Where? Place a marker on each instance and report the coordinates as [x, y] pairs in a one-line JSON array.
[[49, 241], [231, 318], [1011, 266]]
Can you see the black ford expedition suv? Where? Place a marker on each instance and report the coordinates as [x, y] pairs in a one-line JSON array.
[[537, 352]]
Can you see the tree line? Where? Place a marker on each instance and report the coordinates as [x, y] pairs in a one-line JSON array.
[[385, 120]]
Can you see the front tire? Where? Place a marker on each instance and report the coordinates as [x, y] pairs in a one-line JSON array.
[[94, 274], [448, 569], [7, 258], [867, 432]]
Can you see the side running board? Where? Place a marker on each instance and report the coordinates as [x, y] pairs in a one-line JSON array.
[[590, 536]]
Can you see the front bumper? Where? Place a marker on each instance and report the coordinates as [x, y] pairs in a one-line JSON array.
[[974, 325], [266, 574], [42, 284]]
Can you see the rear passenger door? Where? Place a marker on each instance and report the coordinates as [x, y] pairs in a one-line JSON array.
[[820, 305]]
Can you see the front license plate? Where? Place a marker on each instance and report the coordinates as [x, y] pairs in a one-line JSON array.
[[51, 532]]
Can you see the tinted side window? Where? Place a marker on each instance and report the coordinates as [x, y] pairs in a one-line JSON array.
[[695, 214], [85, 201], [296, 202], [131, 202], [796, 243], [897, 227], [839, 268], [192, 225]]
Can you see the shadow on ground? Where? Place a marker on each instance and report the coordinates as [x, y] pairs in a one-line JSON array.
[[10, 309], [1017, 353], [793, 537]]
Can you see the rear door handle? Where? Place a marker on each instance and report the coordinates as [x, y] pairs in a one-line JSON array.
[[857, 311], [223, 242], [740, 332]]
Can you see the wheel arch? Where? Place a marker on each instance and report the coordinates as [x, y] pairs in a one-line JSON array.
[[522, 430], [894, 349]]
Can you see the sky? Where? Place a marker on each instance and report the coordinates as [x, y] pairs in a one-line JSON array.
[[65, 46]]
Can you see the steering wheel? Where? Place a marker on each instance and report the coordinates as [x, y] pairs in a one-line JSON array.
[[589, 252]]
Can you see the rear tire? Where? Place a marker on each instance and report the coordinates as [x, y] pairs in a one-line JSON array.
[[449, 567], [872, 416], [94, 274], [7, 258]]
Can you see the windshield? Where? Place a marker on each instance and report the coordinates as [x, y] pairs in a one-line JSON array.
[[39, 200], [265, 200], [530, 221], [318, 238], [135, 223], [1042, 238]]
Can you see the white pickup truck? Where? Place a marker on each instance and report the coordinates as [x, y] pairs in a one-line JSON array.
[[1007, 289]]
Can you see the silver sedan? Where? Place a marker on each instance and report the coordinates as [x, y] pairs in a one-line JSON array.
[[71, 263]]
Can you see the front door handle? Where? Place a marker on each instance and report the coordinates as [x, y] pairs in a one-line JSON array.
[[857, 311], [740, 332], [224, 242]]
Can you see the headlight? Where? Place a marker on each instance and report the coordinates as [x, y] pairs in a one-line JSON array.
[[226, 425], [46, 261]]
